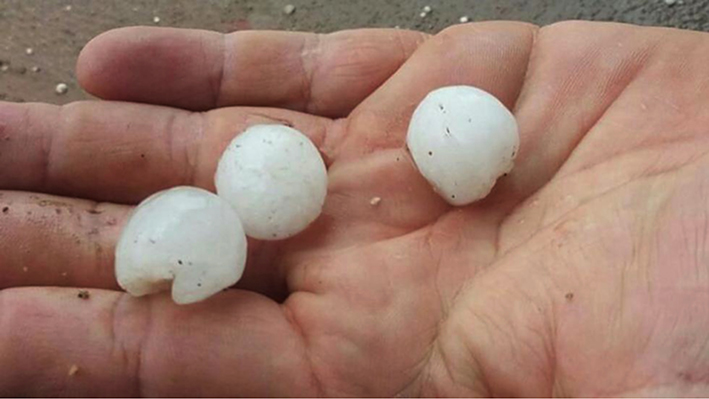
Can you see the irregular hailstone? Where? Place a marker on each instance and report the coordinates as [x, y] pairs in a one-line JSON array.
[[462, 139], [185, 237], [276, 180]]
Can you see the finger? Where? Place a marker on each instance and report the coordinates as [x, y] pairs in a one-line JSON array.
[[234, 344], [122, 152], [46, 240], [56, 241], [320, 74]]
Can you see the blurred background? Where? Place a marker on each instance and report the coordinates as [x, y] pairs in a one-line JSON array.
[[40, 39]]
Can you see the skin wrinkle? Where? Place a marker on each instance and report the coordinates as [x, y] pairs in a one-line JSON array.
[[173, 138], [142, 348], [334, 136], [96, 225], [217, 83], [4, 318], [698, 359], [425, 364], [528, 70], [422, 366], [309, 64], [120, 347], [476, 365], [659, 145], [701, 239], [226, 68], [424, 370], [48, 146], [300, 333], [548, 356], [446, 363], [586, 201], [619, 318], [194, 157]]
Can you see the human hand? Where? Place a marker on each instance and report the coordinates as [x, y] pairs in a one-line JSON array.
[[583, 273]]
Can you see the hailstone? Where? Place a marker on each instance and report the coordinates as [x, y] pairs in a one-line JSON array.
[[185, 237], [276, 180], [462, 139]]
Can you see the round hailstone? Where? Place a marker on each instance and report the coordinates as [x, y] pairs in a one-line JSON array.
[[276, 180], [462, 139], [185, 237]]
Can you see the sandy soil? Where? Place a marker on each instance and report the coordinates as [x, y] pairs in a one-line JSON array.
[[57, 30]]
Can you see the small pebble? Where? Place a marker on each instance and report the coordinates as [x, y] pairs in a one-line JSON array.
[[156, 20], [29, 51], [73, 370], [289, 9], [36, 69], [427, 9], [61, 88], [4, 67], [464, 19], [83, 294], [375, 201]]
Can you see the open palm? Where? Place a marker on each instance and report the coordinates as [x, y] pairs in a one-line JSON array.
[[585, 272]]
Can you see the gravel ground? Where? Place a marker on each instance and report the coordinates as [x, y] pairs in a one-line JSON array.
[[55, 31]]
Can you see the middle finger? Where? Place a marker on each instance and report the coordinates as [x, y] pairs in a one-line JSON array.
[[123, 152]]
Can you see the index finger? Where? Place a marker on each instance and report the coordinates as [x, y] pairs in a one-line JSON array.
[[321, 74]]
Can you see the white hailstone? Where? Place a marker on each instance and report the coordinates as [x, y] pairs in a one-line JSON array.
[[423, 14], [464, 19], [289, 9], [156, 20], [184, 237], [61, 88], [276, 180], [462, 139], [29, 51], [427, 9]]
